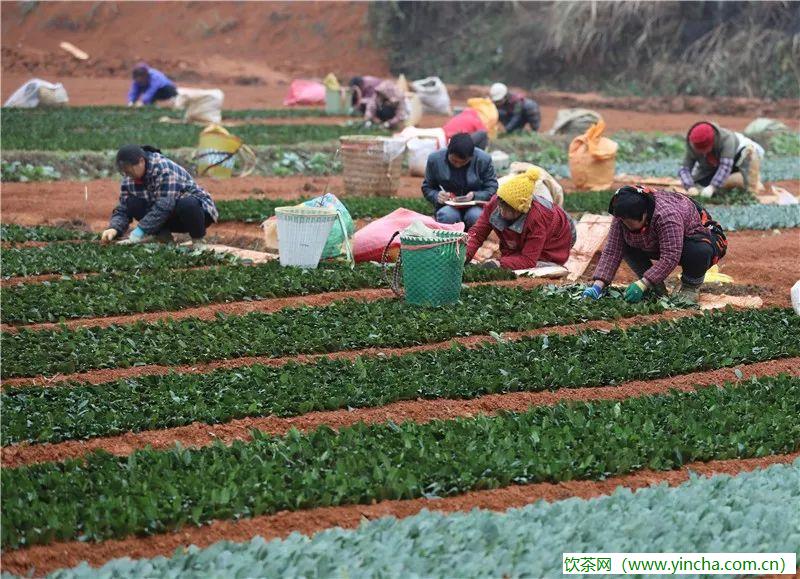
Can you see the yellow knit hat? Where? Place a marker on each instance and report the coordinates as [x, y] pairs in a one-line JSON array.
[[518, 191]]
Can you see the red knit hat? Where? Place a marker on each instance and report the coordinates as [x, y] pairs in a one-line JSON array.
[[702, 137]]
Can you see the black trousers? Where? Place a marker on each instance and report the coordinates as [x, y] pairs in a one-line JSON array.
[[695, 260], [188, 216], [165, 93]]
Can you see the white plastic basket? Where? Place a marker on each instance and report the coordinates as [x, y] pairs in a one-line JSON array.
[[302, 233]]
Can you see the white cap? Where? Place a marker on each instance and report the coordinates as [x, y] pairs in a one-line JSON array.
[[498, 91]]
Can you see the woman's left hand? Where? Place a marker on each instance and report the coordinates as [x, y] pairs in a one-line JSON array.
[[464, 198]]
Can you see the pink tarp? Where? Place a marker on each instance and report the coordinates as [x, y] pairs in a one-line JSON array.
[[370, 241], [305, 92]]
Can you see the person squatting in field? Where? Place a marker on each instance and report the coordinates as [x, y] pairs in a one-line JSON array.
[[663, 225], [461, 173], [713, 154], [515, 109], [161, 196], [150, 86], [533, 230], [387, 107]]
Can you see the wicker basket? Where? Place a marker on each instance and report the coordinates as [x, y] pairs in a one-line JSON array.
[[371, 165], [302, 233]]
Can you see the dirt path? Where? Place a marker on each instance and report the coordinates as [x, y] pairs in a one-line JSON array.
[[200, 434], [107, 375], [47, 558]]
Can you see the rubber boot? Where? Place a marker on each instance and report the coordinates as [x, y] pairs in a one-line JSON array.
[[164, 236], [659, 289], [689, 293]]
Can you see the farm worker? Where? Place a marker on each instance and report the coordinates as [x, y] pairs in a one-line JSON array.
[[363, 90], [387, 107], [515, 109], [459, 173], [161, 196], [150, 85], [468, 121], [713, 153], [533, 231], [650, 225]]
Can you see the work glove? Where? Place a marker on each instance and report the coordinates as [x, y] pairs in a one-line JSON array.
[[367, 124], [593, 292], [707, 191], [635, 292], [108, 235], [490, 264], [386, 125], [136, 236], [693, 191]]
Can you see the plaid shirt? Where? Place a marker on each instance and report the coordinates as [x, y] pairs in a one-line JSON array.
[[723, 172], [389, 91], [674, 218], [163, 184]]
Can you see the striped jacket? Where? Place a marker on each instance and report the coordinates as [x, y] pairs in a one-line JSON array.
[[164, 182]]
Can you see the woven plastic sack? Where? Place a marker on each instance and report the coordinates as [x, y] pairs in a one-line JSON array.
[[37, 92], [335, 245], [433, 95], [202, 105], [487, 110], [432, 264], [370, 241], [574, 121], [592, 159], [305, 92]]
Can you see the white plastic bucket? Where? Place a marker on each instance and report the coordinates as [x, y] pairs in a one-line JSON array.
[[418, 150], [302, 234], [500, 160]]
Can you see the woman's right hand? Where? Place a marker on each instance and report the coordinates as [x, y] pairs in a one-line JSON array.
[[108, 235], [443, 197]]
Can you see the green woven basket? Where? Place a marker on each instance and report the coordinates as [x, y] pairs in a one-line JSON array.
[[433, 267]]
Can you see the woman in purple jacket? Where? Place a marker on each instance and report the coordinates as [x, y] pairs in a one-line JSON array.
[[150, 85]]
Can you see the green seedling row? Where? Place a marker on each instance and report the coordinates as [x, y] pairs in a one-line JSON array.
[[71, 258], [89, 129], [549, 362], [12, 233], [746, 511], [104, 496], [343, 325], [121, 293]]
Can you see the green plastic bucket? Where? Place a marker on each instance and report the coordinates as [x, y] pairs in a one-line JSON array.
[[433, 267]]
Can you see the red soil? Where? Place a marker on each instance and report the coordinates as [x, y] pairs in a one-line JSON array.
[[200, 434], [107, 375], [46, 558]]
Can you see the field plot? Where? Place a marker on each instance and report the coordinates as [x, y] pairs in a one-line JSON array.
[[192, 411]]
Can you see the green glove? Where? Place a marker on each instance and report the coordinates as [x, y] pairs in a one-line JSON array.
[[635, 292]]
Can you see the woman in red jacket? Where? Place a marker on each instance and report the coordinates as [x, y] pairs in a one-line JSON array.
[[533, 231]]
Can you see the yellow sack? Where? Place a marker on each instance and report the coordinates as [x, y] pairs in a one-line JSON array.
[[331, 82], [714, 275], [592, 159], [487, 111]]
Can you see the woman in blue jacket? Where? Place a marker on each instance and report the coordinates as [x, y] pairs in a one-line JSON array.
[[459, 173], [150, 85]]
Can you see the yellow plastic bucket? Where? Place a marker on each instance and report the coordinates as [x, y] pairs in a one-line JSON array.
[[216, 152]]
